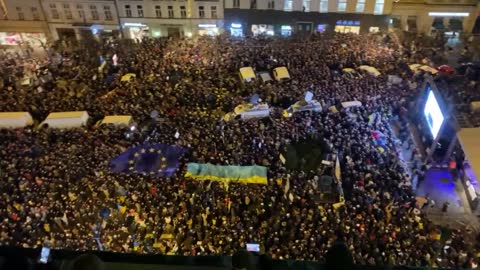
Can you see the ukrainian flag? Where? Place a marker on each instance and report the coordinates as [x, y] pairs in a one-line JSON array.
[[240, 174]]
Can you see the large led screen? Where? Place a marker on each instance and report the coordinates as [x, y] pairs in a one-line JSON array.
[[433, 114]]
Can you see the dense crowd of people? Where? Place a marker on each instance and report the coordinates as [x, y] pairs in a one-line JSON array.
[[56, 183]]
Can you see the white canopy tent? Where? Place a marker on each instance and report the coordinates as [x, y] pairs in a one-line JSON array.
[[15, 119], [66, 119], [247, 74], [117, 120], [281, 73]]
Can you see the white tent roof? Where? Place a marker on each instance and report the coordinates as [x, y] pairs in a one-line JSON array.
[[247, 73], [15, 119], [469, 139], [117, 120], [66, 119]]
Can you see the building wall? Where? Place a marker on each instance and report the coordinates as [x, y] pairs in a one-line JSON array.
[[80, 15], [333, 5], [22, 17], [159, 20], [419, 11]]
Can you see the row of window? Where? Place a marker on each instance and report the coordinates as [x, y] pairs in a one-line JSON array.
[[33, 10], [341, 7], [67, 11], [170, 12]]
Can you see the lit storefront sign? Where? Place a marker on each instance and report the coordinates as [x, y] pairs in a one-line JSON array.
[[262, 29], [448, 14], [236, 30], [344, 26], [207, 29], [286, 30], [344, 22], [321, 28], [134, 25]]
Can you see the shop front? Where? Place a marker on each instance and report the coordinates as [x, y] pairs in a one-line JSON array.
[[236, 30], [80, 31], [322, 28], [137, 31], [347, 26], [30, 39], [15, 33], [206, 29], [263, 29], [277, 22], [286, 30]]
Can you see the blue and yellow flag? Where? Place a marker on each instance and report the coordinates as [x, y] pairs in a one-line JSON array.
[[226, 174], [158, 160]]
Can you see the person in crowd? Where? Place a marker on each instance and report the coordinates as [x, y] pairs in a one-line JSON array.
[[56, 182]]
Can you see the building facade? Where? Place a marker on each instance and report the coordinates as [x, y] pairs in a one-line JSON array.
[[81, 18], [28, 21], [283, 17], [22, 22], [426, 15], [170, 17]]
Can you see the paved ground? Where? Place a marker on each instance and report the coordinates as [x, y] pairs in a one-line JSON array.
[[440, 187]]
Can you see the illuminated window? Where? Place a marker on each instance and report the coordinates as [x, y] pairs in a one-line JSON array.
[[360, 6], [323, 5], [342, 5], [288, 5], [306, 5], [378, 6]]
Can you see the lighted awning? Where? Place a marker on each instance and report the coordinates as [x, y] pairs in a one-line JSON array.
[[468, 138]]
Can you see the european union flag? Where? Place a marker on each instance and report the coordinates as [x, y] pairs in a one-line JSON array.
[[158, 160]]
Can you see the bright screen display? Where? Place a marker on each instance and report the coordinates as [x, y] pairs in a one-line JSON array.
[[433, 114]]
